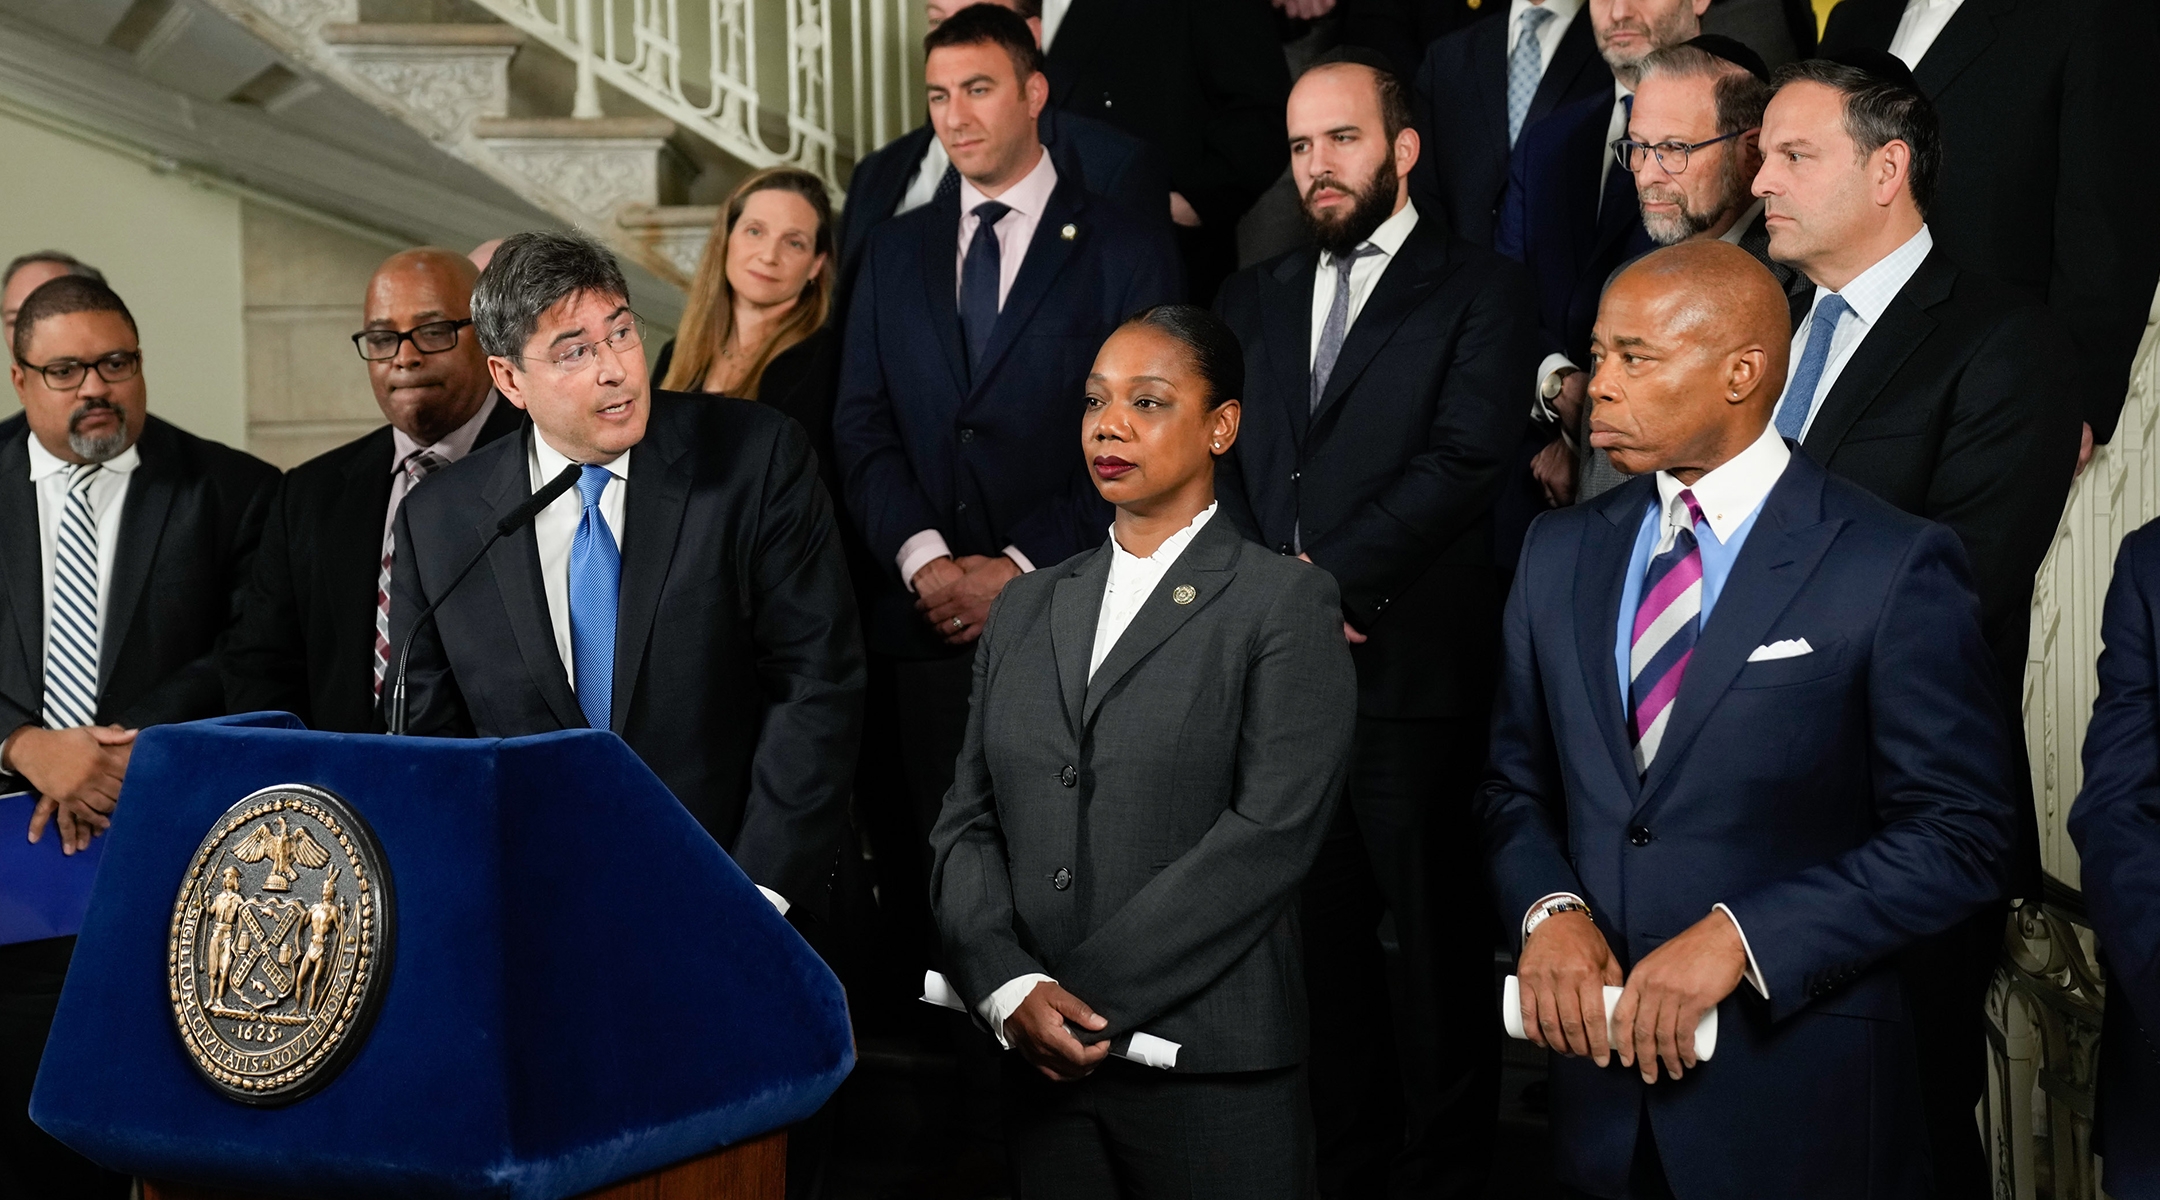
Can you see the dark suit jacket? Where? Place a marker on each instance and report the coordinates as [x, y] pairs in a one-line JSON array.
[[1182, 792], [188, 529], [1843, 803], [1405, 29], [2116, 824], [1100, 157], [305, 640], [1550, 220], [738, 668], [1202, 81], [989, 457], [2051, 158], [801, 382], [1461, 109], [1391, 483]]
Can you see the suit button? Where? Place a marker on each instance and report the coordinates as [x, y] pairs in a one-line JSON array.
[[1285, 548], [1296, 475], [1106, 99], [967, 435], [960, 507], [1068, 776], [1061, 880], [1638, 835]]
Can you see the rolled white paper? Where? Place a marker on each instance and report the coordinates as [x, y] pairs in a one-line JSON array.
[[1511, 1017], [1145, 1048]]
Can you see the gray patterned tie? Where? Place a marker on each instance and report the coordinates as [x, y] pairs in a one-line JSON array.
[[1524, 68], [71, 648], [417, 466], [1337, 326]]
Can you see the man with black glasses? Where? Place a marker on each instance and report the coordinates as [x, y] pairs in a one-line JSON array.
[[122, 543], [313, 638]]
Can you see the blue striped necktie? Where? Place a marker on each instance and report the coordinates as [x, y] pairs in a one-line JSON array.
[[595, 583], [71, 647]]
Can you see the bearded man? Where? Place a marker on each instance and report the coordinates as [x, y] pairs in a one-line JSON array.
[[1384, 374]]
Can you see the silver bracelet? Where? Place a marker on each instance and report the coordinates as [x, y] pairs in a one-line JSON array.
[[1552, 909]]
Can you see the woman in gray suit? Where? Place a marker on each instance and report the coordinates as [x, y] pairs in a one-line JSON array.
[[1159, 733]]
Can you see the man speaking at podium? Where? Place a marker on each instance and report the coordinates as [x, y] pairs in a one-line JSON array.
[[688, 592]]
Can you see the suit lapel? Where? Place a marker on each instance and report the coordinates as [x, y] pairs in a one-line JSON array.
[[941, 286], [659, 491], [1287, 317], [1086, 23], [352, 551], [515, 562], [1904, 325], [22, 570], [1075, 607], [1577, 50], [142, 527], [1047, 253], [1490, 59], [1205, 568], [1784, 549], [1969, 32], [1600, 578], [1409, 277]]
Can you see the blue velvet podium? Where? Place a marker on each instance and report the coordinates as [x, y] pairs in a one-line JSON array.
[[583, 987]]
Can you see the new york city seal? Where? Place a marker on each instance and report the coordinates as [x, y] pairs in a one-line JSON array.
[[280, 943]]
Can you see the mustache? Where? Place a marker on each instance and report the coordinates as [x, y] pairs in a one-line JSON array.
[[88, 407], [1328, 183]]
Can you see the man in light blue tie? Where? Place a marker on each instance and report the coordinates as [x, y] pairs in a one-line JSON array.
[[688, 593], [1940, 391]]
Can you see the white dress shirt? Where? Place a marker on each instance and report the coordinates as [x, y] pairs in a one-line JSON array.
[[922, 189], [1132, 580], [1549, 34], [1917, 30], [1053, 16], [108, 493], [1388, 239], [557, 524], [1028, 199], [453, 447], [1868, 294]]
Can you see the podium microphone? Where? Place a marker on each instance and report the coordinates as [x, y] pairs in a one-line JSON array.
[[512, 521]]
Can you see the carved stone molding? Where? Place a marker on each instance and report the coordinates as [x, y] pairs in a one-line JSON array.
[[443, 89], [676, 234], [590, 179], [307, 16]]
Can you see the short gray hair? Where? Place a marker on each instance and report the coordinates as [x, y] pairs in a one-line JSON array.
[[74, 265], [531, 273], [1740, 96]]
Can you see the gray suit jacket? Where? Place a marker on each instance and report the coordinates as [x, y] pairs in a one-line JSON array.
[[1141, 837]]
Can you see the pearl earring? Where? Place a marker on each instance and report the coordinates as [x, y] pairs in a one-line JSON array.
[[1218, 445]]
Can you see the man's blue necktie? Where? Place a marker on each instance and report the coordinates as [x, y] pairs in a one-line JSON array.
[[1792, 412], [1524, 69], [979, 281], [595, 578]]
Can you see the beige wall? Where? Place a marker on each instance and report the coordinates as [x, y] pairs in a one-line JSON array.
[[170, 248]]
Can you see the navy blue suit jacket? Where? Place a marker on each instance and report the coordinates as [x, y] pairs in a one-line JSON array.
[[1844, 803], [990, 458], [1549, 219], [2116, 824], [1102, 158]]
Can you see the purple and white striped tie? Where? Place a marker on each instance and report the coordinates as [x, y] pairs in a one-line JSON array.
[[1666, 624]]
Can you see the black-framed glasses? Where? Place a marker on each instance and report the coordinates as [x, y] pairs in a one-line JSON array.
[[67, 374], [573, 357], [375, 345], [1673, 156]]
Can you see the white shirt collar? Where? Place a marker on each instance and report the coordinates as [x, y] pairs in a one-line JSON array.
[[1029, 197], [1562, 12], [44, 462], [1872, 290], [454, 446], [550, 462], [1730, 491], [1746, 222], [1172, 546], [1389, 237]]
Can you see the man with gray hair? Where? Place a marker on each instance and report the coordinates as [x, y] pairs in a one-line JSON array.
[[27, 273], [688, 592]]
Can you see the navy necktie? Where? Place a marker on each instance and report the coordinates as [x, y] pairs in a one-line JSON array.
[[979, 281]]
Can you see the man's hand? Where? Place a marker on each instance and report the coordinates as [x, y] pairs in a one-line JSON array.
[[933, 577], [2085, 451], [1568, 405], [1037, 1030], [1305, 10], [1182, 212], [1563, 973], [1554, 469], [77, 774], [967, 601], [1671, 989], [1349, 631]]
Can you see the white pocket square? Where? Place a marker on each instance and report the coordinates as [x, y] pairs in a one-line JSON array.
[[1789, 648]]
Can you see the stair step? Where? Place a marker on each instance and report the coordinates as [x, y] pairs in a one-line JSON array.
[[566, 128], [676, 233], [374, 34]]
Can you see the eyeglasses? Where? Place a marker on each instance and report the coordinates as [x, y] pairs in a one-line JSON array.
[[375, 345], [576, 356], [1673, 156], [67, 374]]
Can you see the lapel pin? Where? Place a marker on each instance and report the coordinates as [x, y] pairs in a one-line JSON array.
[[1183, 594], [1069, 232]]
